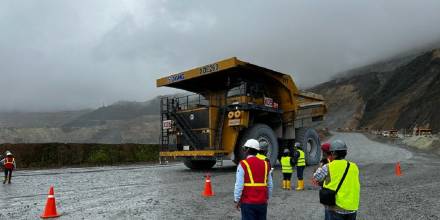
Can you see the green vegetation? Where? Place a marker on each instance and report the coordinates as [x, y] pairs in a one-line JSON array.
[[60, 154]]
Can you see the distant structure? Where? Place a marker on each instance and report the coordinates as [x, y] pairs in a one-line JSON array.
[[422, 131]]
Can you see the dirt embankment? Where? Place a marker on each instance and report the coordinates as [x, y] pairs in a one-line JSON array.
[[427, 144], [50, 155]]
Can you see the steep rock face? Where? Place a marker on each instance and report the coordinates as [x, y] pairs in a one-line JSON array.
[[411, 97], [406, 97], [347, 97]]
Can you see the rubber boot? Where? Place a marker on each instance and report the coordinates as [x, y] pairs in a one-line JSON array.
[[300, 185], [284, 184], [289, 186]]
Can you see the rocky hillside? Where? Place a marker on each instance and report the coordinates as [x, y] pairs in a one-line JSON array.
[[403, 97], [122, 122]]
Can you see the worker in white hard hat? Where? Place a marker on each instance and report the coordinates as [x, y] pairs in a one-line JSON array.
[[287, 165], [340, 179], [8, 164], [253, 184]]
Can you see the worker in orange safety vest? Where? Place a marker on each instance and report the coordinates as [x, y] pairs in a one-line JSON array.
[[253, 185], [9, 165]]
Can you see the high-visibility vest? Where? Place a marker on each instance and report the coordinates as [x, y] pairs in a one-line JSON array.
[[261, 156], [286, 167], [256, 173], [348, 195], [301, 159], [9, 162]]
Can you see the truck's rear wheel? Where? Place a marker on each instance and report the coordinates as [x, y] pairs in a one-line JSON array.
[[260, 132], [199, 164], [309, 139]]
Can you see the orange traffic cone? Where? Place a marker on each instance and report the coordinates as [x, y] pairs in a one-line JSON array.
[[208, 189], [50, 211], [398, 171]]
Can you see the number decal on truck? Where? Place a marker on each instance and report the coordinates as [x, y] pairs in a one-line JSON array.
[[208, 68]]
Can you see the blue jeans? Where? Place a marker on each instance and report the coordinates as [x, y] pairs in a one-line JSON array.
[[300, 172], [326, 214], [336, 216], [252, 211]]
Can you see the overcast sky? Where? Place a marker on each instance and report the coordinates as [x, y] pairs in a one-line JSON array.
[[63, 55]]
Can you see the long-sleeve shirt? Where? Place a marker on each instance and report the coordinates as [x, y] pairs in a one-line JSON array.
[[239, 183], [321, 173], [2, 162]]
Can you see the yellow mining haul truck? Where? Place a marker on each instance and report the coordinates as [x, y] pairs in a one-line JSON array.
[[231, 101]]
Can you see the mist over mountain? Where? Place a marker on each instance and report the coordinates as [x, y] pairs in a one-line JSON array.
[[400, 92], [402, 97]]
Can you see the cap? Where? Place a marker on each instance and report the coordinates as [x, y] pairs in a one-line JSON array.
[[286, 151], [338, 145], [325, 147], [252, 143], [297, 144]]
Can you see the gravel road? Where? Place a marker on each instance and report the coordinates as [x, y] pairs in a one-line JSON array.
[[174, 192]]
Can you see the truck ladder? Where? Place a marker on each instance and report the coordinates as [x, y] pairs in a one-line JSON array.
[[185, 128], [219, 130]]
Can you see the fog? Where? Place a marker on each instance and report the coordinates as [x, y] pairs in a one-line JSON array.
[[66, 55]]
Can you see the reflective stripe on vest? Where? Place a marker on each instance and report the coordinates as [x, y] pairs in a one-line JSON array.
[[286, 167], [301, 160], [9, 164], [349, 193], [251, 178], [261, 156]]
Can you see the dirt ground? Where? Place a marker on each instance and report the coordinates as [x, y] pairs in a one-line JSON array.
[[174, 192]]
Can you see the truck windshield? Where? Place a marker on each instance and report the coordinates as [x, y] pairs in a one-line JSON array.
[[238, 90]]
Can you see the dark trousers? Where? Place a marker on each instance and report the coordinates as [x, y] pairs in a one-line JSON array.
[[8, 173], [252, 211], [287, 176], [300, 172], [336, 216]]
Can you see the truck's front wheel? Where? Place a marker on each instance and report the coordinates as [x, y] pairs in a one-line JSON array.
[[260, 132], [199, 164]]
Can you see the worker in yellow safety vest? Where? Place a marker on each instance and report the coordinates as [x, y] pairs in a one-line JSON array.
[[262, 153], [341, 176], [287, 165], [299, 158]]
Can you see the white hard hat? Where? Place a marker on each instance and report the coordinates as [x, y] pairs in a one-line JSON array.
[[8, 153], [252, 143]]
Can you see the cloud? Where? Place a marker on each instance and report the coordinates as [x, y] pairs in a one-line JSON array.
[[57, 55]]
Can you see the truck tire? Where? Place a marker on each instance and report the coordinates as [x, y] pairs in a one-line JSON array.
[[199, 164], [309, 139], [259, 132]]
